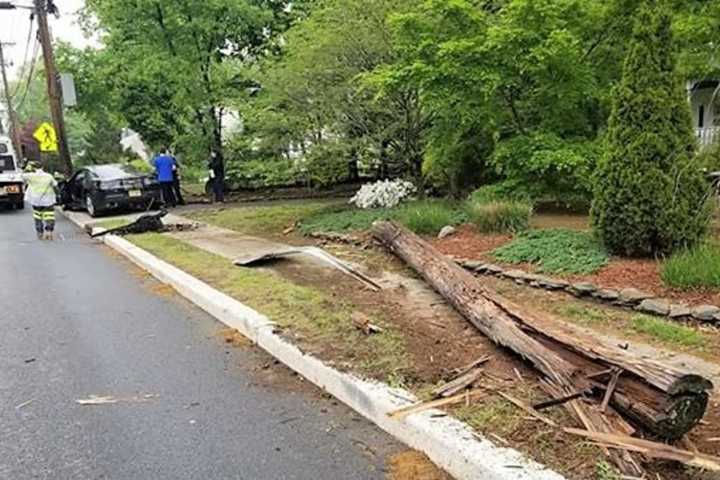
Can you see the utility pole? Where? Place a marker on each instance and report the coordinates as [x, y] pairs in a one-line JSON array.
[[14, 131], [53, 84]]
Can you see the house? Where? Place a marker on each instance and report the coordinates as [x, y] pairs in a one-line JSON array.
[[705, 103]]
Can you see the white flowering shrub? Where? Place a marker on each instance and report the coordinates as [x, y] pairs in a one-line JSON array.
[[383, 194]]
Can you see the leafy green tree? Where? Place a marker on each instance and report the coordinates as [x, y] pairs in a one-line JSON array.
[[650, 196], [174, 63]]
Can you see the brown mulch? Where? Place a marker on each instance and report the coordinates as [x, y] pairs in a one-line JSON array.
[[468, 243], [643, 274]]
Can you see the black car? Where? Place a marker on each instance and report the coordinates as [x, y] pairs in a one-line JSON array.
[[100, 188]]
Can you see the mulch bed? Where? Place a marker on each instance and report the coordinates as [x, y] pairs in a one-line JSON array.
[[643, 274]]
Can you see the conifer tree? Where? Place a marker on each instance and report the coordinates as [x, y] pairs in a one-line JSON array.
[[650, 197]]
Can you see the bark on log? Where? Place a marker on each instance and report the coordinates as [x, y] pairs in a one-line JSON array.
[[658, 398]]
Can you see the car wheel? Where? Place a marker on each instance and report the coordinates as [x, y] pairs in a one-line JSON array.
[[90, 207]]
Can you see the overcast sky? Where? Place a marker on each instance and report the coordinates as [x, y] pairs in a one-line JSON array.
[[14, 25]]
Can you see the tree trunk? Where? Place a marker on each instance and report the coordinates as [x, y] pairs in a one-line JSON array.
[[660, 399]]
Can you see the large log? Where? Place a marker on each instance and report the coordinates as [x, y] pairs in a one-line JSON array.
[[662, 400]]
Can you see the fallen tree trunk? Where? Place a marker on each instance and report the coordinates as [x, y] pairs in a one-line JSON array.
[[658, 398]]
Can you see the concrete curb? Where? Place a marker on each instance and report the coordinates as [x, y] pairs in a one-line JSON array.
[[446, 441]]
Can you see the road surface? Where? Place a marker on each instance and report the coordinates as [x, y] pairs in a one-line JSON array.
[[77, 321]]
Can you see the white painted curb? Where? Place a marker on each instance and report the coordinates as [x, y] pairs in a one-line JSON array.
[[448, 442]]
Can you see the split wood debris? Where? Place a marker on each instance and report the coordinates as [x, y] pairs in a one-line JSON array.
[[639, 394], [362, 323]]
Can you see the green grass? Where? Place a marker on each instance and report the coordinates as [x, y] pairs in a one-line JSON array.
[[263, 219], [321, 319], [428, 217], [349, 219], [499, 216], [668, 332], [695, 268], [582, 315], [555, 251]]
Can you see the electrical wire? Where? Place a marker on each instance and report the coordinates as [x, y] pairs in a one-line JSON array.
[[25, 55], [31, 73]]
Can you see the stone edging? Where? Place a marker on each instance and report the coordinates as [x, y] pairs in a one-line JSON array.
[[448, 442], [627, 297]]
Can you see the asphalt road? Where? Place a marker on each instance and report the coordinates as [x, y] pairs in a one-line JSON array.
[[76, 321]]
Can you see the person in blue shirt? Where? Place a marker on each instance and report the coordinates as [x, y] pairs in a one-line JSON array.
[[165, 166]]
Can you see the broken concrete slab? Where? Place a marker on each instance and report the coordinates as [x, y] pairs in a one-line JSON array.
[[517, 275], [552, 283], [493, 269]]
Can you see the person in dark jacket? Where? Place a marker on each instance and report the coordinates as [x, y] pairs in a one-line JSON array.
[[217, 177], [176, 182]]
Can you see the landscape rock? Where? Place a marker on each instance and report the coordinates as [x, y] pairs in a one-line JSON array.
[[656, 306], [678, 310], [493, 269], [551, 283], [705, 313], [447, 231], [607, 294], [482, 268], [632, 296], [582, 288], [472, 265], [517, 275]]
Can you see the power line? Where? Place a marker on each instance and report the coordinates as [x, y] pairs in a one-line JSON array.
[[31, 73], [25, 55]]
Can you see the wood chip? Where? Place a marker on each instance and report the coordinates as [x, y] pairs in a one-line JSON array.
[[651, 449], [610, 390], [458, 384], [421, 407]]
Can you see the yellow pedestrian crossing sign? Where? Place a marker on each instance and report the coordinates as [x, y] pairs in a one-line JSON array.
[[46, 137]]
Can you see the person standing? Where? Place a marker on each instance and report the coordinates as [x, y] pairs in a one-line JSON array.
[[176, 182], [164, 166], [217, 177], [41, 194]]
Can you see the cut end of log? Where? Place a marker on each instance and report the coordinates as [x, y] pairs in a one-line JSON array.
[[690, 384]]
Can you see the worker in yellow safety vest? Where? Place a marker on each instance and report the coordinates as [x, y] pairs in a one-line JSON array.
[[41, 194]]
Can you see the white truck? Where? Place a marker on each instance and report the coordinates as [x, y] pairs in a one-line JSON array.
[[12, 190]]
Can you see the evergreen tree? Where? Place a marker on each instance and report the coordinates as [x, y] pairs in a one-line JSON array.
[[650, 196]]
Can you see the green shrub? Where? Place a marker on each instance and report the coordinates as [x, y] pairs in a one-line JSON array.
[[498, 191], [555, 251], [542, 165], [326, 164], [348, 219], [500, 215], [694, 268], [429, 217], [251, 174], [650, 194]]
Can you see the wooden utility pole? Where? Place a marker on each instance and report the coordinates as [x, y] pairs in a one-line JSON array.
[[14, 131], [53, 84]]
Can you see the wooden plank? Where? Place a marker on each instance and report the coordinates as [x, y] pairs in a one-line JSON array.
[[443, 402], [458, 384]]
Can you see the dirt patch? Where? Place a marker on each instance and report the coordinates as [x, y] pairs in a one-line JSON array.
[[161, 289], [232, 337], [412, 465]]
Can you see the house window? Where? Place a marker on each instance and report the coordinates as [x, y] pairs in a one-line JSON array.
[[701, 116]]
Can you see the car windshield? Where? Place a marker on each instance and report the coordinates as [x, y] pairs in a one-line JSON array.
[[6, 163], [115, 172]]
